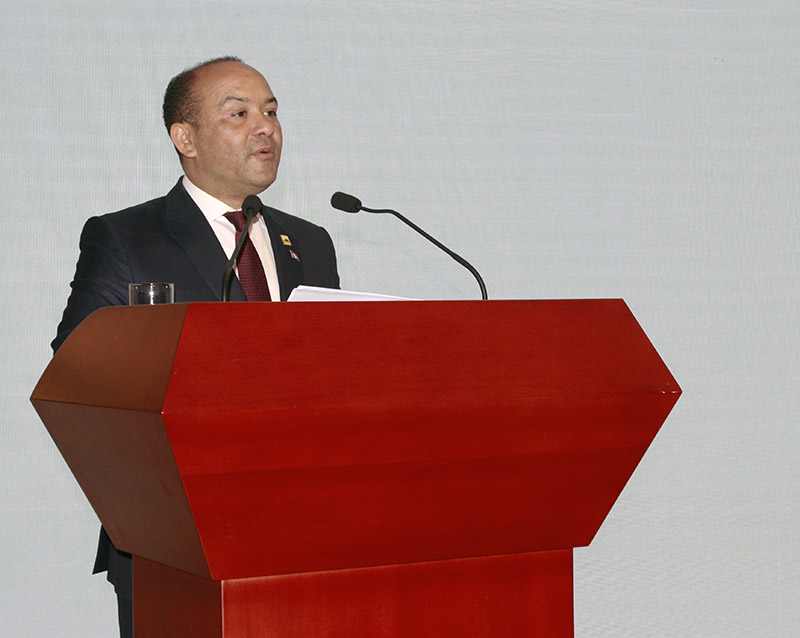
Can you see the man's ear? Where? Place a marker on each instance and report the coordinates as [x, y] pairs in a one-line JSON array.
[[182, 135]]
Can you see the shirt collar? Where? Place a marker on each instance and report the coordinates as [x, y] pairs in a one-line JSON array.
[[209, 205]]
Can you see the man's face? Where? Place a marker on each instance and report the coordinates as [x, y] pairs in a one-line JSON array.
[[235, 149]]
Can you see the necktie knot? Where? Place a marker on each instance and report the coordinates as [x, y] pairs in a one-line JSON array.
[[236, 217]]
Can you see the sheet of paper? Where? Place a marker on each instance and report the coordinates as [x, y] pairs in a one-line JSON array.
[[313, 293]]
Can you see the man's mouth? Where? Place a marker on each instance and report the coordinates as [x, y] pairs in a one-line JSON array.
[[264, 153]]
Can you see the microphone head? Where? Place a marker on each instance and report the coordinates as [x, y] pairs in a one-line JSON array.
[[251, 206], [345, 202]]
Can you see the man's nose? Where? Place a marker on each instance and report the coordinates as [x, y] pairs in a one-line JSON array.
[[265, 124]]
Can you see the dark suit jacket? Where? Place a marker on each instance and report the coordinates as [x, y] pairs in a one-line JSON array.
[[168, 239]]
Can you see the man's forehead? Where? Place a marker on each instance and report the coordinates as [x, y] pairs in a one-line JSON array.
[[232, 80]]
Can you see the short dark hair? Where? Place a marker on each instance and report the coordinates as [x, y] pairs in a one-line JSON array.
[[180, 102]]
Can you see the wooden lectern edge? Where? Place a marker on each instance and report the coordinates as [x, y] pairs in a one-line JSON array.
[[380, 566]]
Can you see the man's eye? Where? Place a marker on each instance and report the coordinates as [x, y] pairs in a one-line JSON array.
[[271, 113], [239, 114]]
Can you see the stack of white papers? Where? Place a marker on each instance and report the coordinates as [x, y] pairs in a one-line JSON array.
[[312, 293]]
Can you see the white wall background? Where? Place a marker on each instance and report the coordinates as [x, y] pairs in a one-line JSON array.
[[645, 150]]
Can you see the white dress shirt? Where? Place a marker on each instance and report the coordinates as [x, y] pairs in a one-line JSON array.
[[214, 211]]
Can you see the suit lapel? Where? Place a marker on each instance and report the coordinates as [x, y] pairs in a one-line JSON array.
[[287, 253], [187, 225]]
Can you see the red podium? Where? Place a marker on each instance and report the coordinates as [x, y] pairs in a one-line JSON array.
[[392, 469]]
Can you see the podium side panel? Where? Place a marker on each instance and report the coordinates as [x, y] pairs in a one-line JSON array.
[[117, 357], [123, 462]]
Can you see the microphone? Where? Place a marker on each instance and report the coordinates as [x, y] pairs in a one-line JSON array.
[[251, 206], [350, 204], [345, 202]]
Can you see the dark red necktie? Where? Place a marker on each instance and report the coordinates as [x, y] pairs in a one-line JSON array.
[[249, 268]]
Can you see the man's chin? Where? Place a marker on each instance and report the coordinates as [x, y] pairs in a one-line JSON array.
[[263, 181]]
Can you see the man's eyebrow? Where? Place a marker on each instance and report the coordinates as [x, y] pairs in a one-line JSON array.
[[236, 98]]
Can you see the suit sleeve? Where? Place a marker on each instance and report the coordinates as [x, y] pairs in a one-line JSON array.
[[320, 268], [334, 270], [101, 276]]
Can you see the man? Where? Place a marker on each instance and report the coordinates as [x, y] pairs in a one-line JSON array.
[[222, 118]]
